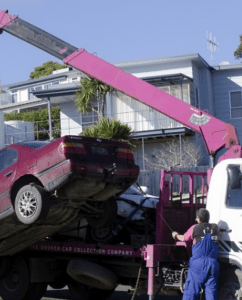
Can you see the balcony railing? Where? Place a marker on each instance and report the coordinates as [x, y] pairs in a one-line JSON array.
[[5, 99], [138, 121]]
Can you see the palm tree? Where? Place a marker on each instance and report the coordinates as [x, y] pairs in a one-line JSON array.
[[92, 90], [110, 129]]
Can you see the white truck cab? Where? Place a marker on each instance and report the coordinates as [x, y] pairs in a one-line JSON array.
[[224, 203]]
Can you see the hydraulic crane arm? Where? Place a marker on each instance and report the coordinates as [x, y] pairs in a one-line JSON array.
[[216, 134]]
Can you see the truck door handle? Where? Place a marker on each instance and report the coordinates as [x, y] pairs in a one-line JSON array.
[[225, 230], [8, 174]]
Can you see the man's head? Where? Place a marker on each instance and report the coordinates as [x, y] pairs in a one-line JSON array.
[[202, 215]]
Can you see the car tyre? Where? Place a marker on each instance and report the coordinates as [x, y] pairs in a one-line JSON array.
[[32, 204], [109, 215], [92, 274]]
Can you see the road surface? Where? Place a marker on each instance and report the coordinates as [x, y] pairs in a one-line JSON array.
[[119, 294]]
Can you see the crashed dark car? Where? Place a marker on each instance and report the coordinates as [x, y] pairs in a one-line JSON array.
[[46, 186]]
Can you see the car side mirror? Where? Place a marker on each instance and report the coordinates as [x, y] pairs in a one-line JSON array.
[[234, 176]]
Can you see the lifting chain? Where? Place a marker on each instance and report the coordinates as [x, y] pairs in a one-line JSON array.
[[137, 280]]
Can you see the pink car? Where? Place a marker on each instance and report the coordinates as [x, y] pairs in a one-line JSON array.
[[46, 186]]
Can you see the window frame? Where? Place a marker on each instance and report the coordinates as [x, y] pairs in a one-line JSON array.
[[230, 104]]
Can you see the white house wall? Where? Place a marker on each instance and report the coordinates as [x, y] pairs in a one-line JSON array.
[[2, 133], [23, 95], [224, 82], [70, 119]]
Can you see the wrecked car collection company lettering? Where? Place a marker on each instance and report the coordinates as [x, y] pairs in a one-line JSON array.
[[85, 249]]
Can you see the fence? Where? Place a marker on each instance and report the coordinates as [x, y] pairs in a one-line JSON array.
[[151, 179]]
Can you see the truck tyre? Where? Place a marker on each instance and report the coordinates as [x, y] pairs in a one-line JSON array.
[[15, 285], [5, 266], [230, 282], [32, 204], [35, 291], [109, 215], [82, 292], [91, 274]]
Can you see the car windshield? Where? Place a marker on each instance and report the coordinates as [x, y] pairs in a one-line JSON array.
[[35, 144]]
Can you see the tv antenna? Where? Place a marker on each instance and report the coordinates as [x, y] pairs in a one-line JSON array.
[[212, 45]]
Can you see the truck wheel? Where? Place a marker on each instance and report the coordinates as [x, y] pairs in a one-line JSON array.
[[82, 292], [35, 291], [91, 274], [230, 282], [15, 285], [109, 215], [5, 266], [32, 204]]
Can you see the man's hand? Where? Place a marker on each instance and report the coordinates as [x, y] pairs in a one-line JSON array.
[[174, 235]]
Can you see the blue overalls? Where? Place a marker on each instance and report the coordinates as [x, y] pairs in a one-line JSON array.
[[203, 270]]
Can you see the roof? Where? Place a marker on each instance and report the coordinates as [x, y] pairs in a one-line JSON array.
[[228, 67], [167, 59], [29, 82]]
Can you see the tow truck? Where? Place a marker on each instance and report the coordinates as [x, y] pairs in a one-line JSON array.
[[158, 262]]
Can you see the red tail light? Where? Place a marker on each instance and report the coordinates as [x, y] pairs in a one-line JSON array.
[[76, 148], [124, 153]]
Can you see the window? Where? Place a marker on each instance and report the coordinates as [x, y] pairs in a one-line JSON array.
[[14, 96], [38, 88], [234, 198], [196, 99], [35, 144], [235, 105], [7, 158]]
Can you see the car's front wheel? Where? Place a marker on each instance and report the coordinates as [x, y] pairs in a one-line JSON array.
[[32, 204]]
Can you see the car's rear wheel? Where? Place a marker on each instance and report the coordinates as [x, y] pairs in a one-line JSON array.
[[32, 204]]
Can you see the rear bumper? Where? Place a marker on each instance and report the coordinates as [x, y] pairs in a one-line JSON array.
[[62, 174]]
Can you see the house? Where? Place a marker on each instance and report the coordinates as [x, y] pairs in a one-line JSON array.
[[188, 77]]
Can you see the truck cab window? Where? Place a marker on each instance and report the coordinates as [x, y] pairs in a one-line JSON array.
[[234, 198]]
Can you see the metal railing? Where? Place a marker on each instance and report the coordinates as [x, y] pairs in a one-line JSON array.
[[137, 120], [5, 99]]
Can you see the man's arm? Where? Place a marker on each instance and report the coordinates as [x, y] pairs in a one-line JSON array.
[[177, 236], [186, 237]]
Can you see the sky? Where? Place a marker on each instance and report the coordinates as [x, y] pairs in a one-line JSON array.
[[124, 30]]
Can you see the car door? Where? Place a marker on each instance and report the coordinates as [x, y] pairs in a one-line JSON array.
[[230, 241], [8, 165]]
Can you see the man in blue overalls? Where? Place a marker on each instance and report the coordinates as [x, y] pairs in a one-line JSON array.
[[203, 266]]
